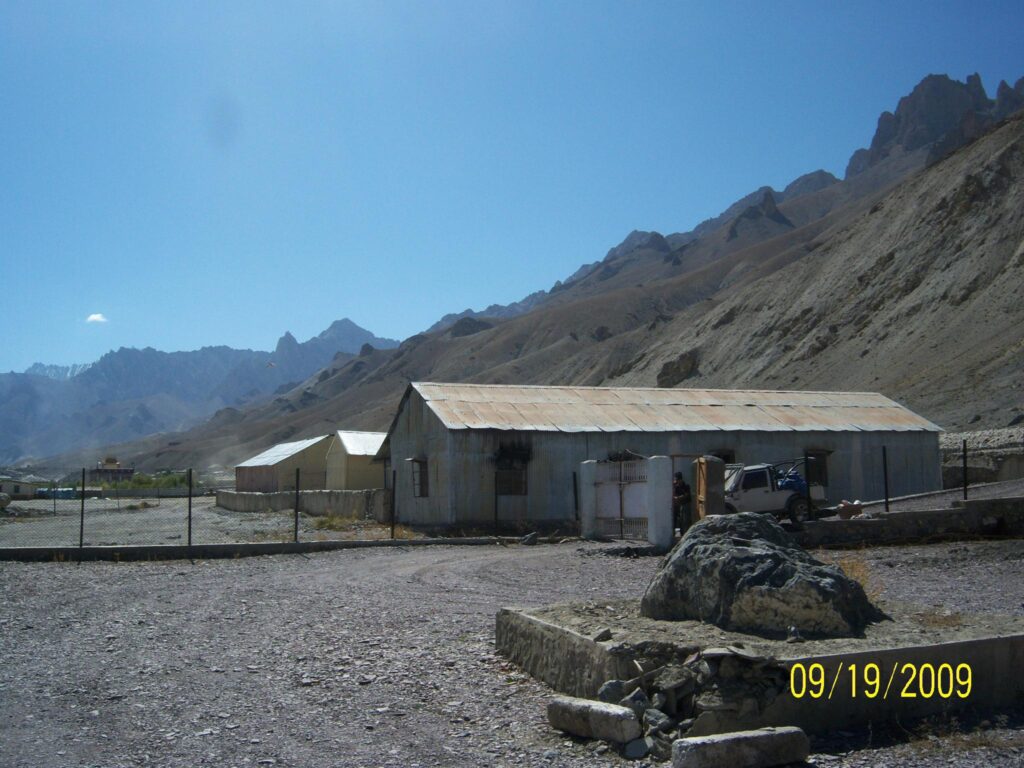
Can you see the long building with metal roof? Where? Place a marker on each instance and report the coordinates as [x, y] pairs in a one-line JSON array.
[[483, 453]]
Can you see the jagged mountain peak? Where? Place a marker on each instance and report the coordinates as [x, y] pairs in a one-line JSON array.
[[939, 111], [637, 240]]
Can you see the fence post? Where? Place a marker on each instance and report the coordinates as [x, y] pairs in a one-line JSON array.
[[885, 476], [807, 480], [576, 500], [53, 492], [190, 510], [965, 468], [297, 471], [394, 502], [81, 520]]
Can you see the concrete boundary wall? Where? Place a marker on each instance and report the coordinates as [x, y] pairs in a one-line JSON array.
[[213, 551], [372, 504], [981, 517]]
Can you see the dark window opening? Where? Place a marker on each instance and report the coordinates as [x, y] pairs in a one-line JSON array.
[[510, 482], [816, 472], [758, 479], [420, 478], [729, 457], [510, 476]]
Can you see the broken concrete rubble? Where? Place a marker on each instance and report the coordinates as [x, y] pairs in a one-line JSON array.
[[761, 748], [709, 692], [594, 719], [743, 572]]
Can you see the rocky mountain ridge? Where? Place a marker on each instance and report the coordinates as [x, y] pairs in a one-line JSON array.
[[57, 372], [130, 393], [938, 116]]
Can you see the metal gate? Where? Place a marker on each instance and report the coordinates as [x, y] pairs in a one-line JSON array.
[[621, 490]]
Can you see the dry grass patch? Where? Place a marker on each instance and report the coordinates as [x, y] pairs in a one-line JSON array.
[[334, 522], [855, 565]]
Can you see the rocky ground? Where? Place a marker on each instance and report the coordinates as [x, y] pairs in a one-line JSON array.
[[374, 657], [984, 439]]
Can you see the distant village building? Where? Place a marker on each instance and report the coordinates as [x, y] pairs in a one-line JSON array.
[[274, 469], [480, 454], [22, 487], [109, 470], [350, 464]]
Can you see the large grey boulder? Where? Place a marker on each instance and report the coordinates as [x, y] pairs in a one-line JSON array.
[[743, 572]]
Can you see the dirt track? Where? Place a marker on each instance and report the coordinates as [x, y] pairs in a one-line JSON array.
[[352, 658]]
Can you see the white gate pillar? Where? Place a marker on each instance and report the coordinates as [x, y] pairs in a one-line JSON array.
[[588, 499], [660, 523]]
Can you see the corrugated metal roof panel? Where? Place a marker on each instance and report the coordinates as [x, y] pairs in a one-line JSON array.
[[280, 452], [629, 409]]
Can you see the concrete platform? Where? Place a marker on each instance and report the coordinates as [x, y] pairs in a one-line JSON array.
[[555, 644]]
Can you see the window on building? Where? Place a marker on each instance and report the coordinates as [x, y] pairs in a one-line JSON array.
[[510, 482], [17, 489], [510, 476], [420, 478], [816, 472], [729, 457], [756, 479]]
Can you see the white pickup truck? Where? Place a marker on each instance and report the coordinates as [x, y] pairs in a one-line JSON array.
[[778, 489]]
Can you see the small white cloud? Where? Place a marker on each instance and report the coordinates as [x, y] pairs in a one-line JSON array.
[[96, 317]]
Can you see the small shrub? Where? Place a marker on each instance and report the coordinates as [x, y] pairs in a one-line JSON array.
[[333, 522]]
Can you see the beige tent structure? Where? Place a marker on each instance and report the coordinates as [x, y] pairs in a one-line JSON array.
[[274, 469], [350, 464]]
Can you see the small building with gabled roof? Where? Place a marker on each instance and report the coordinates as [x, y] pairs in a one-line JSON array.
[[350, 464], [274, 469], [465, 454]]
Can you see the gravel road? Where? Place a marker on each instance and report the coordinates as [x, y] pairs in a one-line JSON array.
[[360, 657]]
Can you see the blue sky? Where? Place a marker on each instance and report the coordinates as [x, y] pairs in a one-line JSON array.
[[218, 173]]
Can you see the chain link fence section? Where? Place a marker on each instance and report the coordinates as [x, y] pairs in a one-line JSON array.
[[172, 508]]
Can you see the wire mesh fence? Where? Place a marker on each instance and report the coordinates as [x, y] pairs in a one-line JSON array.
[[177, 509]]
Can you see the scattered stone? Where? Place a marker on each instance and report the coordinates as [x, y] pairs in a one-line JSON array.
[[612, 692], [661, 747], [762, 748], [637, 748], [593, 719], [529, 539], [601, 635], [655, 720], [744, 573], [636, 701]]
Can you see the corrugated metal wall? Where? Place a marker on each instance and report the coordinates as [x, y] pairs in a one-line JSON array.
[[462, 468]]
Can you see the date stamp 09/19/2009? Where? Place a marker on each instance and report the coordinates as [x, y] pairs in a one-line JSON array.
[[872, 681]]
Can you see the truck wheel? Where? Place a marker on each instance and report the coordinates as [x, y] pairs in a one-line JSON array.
[[799, 509]]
